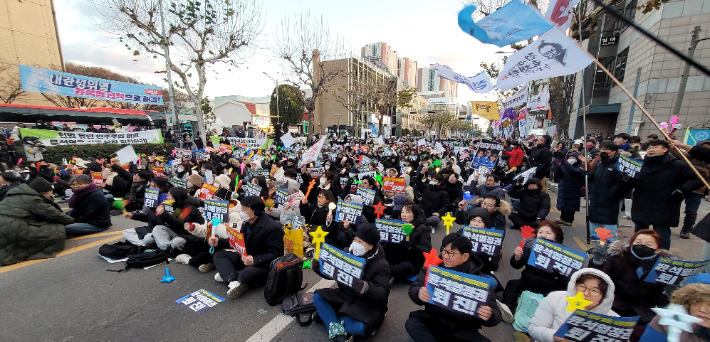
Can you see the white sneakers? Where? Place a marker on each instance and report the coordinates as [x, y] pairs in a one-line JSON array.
[[236, 289], [218, 278], [183, 259], [508, 316]]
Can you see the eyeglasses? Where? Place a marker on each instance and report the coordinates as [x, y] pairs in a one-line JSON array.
[[592, 290], [446, 252]]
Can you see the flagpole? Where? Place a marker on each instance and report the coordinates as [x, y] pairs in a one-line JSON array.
[[644, 111]]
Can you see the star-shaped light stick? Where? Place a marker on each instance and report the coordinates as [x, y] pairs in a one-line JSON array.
[[604, 234], [168, 278], [448, 222], [379, 209], [677, 320], [318, 239], [431, 259], [436, 162], [577, 302], [408, 228]]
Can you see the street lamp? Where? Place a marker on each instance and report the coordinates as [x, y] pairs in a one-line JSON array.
[[337, 128], [278, 116]]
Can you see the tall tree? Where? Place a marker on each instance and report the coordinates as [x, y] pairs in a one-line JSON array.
[[303, 44], [10, 84], [290, 106], [200, 34]]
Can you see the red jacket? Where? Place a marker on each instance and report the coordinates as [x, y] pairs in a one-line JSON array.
[[516, 157]]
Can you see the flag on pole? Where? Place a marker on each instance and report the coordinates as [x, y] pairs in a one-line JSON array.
[[480, 83], [560, 12], [511, 23], [374, 130], [553, 54]]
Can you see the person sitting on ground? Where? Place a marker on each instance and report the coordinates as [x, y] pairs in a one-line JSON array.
[[264, 242], [31, 224], [492, 187], [435, 323], [8, 181], [360, 309], [88, 207], [532, 278], [406, 258], [479, 218], [497, 208], [137, 235], [534, 203], [135, 187], [694, 296], [552, 312], [167, 236]]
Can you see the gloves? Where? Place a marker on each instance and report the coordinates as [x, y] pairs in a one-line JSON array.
[[406, 244], [677, 195], [360, 286], [599, 254]]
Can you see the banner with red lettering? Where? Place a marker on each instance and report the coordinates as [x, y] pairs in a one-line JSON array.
[[207, 191], [158, 171], [97, 178], [394, 185]]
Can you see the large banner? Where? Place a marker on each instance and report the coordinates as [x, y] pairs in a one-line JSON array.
[[60, 83], [485, 109], [480, 83], [57, 138], [517, 99], [247, 143]]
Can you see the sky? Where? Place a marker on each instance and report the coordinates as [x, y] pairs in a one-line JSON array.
[[424, 30]]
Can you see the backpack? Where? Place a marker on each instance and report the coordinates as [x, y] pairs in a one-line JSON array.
[[145, 258], [119, 250], [285, 277], [301, 305]]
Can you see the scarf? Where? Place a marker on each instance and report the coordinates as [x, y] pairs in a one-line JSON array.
[[81, 194]]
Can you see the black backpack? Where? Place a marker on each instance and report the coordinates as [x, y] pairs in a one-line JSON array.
[[148, 257], [119, 250], [285, 278], [301, 305]]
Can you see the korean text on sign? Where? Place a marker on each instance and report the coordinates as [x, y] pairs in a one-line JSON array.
[[236, 240], [151, 197], [393, 184], [97, 178], [207, 191], [251, 189], [456, 291], [340, 266], [180, 153], [551, 257], [297, 222], [178, 183], [348, 211], [158, 171], [484, 240], [585, 326], [673, 271], [217, 209], [200, 300], [368, 195], [632, 167], [281, 196], [391, 230]]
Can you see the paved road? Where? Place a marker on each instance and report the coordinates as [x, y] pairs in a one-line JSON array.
[[73, 298]]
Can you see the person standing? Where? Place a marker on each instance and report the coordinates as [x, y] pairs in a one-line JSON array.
[[541, 157], [604, 190]]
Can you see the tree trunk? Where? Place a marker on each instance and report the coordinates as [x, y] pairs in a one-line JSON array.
[[560, 100]]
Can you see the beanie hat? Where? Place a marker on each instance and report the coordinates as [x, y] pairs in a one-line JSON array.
[[368, 233], [195, 179], [41, 185]]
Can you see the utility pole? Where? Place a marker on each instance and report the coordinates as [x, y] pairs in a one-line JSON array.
[[172, 118], [278, 116], [686, 71]]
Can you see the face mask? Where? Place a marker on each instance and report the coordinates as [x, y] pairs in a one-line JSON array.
[[352, 175], [244, 216], [357, 249], [327, 167], [604, 155], [571, 160], [642, 251], [322, 181]]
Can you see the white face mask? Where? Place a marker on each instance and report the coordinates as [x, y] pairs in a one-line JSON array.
[[244, 216], [327, 167], [352, 175], [571, 160], [322, 181], [357, 249]]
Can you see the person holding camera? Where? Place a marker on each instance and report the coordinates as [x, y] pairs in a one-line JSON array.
[[33, 149]]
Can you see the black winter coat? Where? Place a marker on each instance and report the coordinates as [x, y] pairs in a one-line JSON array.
[[188, 213], [533, 203], [604, 197], [654, 201], [570, 185], [412, 250], [434, 199], [92, 209], [460, 326], [316, 216], [263, 239], [537, 280], [455, 191], [369, 308], [541, 157], [485, 190]]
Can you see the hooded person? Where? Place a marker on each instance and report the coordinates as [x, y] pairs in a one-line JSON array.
[[569, 175], [405, 257], [358, 309], [596, 286], [481, 218], [534, 203], [168, 235]]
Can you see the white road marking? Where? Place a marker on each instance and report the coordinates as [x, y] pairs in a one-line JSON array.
[[281, 321]]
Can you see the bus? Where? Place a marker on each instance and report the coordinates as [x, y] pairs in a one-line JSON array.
[[11, 114]]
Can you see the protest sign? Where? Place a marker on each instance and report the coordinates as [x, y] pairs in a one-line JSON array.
[[313, 152], [457, 291], [549, 256], [343, 182], [167, 170], [487, 154], [281, 196], [200, 300], [97, 178], [178, 182], [181, 153], [363, 174], [489, 241], [585, 326], [526, 175], [251, 189], [247, 143], [297, 222], [391, 230], [368, 195], [127, 155], [207, 191], [224, 148], [151, 198], [158, 171], [364, 161], [316, 172], [393, 184], [348, 211], [217, 209], [236, 240], [673, 271], [168, 205], [631, 167], [340, 266]]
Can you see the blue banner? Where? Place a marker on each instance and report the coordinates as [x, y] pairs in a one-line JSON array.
[[673, 271], [456, 291], [585, 326], [61, 83], [511, 23]]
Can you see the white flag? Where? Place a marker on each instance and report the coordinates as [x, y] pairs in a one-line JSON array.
[[287, 140], [127, 155], [380, 140], [553, 54], [313, 151], [560, 12], [480, 83], [517, 99], [539, 101]]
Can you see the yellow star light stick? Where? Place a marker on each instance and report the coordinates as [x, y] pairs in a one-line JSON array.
[[577, 302], [318, 238], [448, 222]]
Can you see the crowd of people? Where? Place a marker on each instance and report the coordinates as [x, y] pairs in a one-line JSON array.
[[440, 178]]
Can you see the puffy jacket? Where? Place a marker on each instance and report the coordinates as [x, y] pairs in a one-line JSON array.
[[533, 203], [552, 312], [485, 190], [516, 157], [455, 191], [604, 197], [541, 157], [92, 209], [31, 226], [570, 183], [434, 199], [538, 280], [419, 242]]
